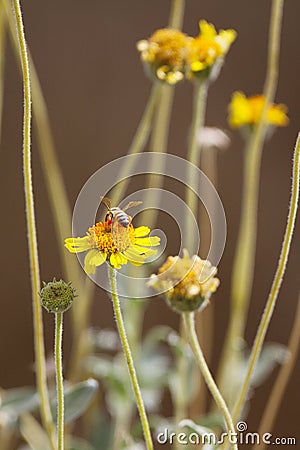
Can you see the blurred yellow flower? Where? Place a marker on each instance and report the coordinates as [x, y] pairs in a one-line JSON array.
[[187, 283], [247, 111], [165, 54], [112, 242], [208, 47]]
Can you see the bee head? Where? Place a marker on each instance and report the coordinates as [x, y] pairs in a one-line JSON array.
[[108, 218]]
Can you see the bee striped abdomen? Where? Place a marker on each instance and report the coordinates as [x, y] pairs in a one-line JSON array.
[[121, 217]]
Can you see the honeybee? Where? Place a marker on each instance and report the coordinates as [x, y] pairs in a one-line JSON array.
[[117, 215]]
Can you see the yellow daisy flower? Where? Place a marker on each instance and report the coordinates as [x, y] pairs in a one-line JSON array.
[[165, 54], [187, 283], [208, 47], [112, 242], [247, 111]]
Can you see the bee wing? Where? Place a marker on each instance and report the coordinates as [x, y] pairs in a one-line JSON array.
[[131, 205], [106, 201]]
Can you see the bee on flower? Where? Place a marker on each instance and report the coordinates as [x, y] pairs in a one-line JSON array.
[[208, 49], [187, 283], [247, 111], [114, 240]]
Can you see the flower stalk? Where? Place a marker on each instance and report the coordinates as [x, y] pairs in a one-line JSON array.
[[129, 359], [189, 320], [281, 382], [193, 156], [59, 379], [243, 268], [271, 302], [32, 238]]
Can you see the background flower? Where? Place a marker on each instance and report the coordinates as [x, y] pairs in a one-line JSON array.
[[247, 111]]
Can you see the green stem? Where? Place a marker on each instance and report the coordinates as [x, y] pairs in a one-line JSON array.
[[243, 267], [281, 382], [2, 59], [160, 135], [189, 319], [58, 201], [129, 360], [59, 380], [270, 305], [138, 143], [32, 238], [177, 14], [159, 144], [193, 156]]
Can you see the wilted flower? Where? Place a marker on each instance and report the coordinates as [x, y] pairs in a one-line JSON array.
[[247, 111], [165, 54], [186, 283], [208, 48], [112, 242]]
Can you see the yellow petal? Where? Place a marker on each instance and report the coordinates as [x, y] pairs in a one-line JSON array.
[[225, 38], [117, 260], [89, 267], [79, 244], [144, 251], [207, 29], [133, 256], [276, 115], [141, 231], [148, 241], [98, 258], [239, 110]]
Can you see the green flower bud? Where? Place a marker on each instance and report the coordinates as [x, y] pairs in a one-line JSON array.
[[57, 296]]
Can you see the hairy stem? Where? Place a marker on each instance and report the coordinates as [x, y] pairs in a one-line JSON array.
[[32, 238], [189, 319], [243, 267], [281, 382], [129, 360], [59, 203], [59, 379], [271, 302]]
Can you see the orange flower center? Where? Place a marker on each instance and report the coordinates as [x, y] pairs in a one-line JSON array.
[[111, 238]]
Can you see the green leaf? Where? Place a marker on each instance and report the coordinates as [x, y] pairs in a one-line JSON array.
[[271, 355], [104, 340], [212, 420], [76, 443], [33, 433], [19, 400], [77, 399], [199, 429]]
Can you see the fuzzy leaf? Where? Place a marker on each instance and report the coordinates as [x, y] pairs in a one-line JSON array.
[[77, 399], [33, 433], [19, 400]]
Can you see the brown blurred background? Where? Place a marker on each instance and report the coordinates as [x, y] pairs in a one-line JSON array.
[[96, 90]]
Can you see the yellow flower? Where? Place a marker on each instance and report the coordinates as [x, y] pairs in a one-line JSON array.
[[165, 54], [187, 283], [112, 242], [247, 111], [209, 47]]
